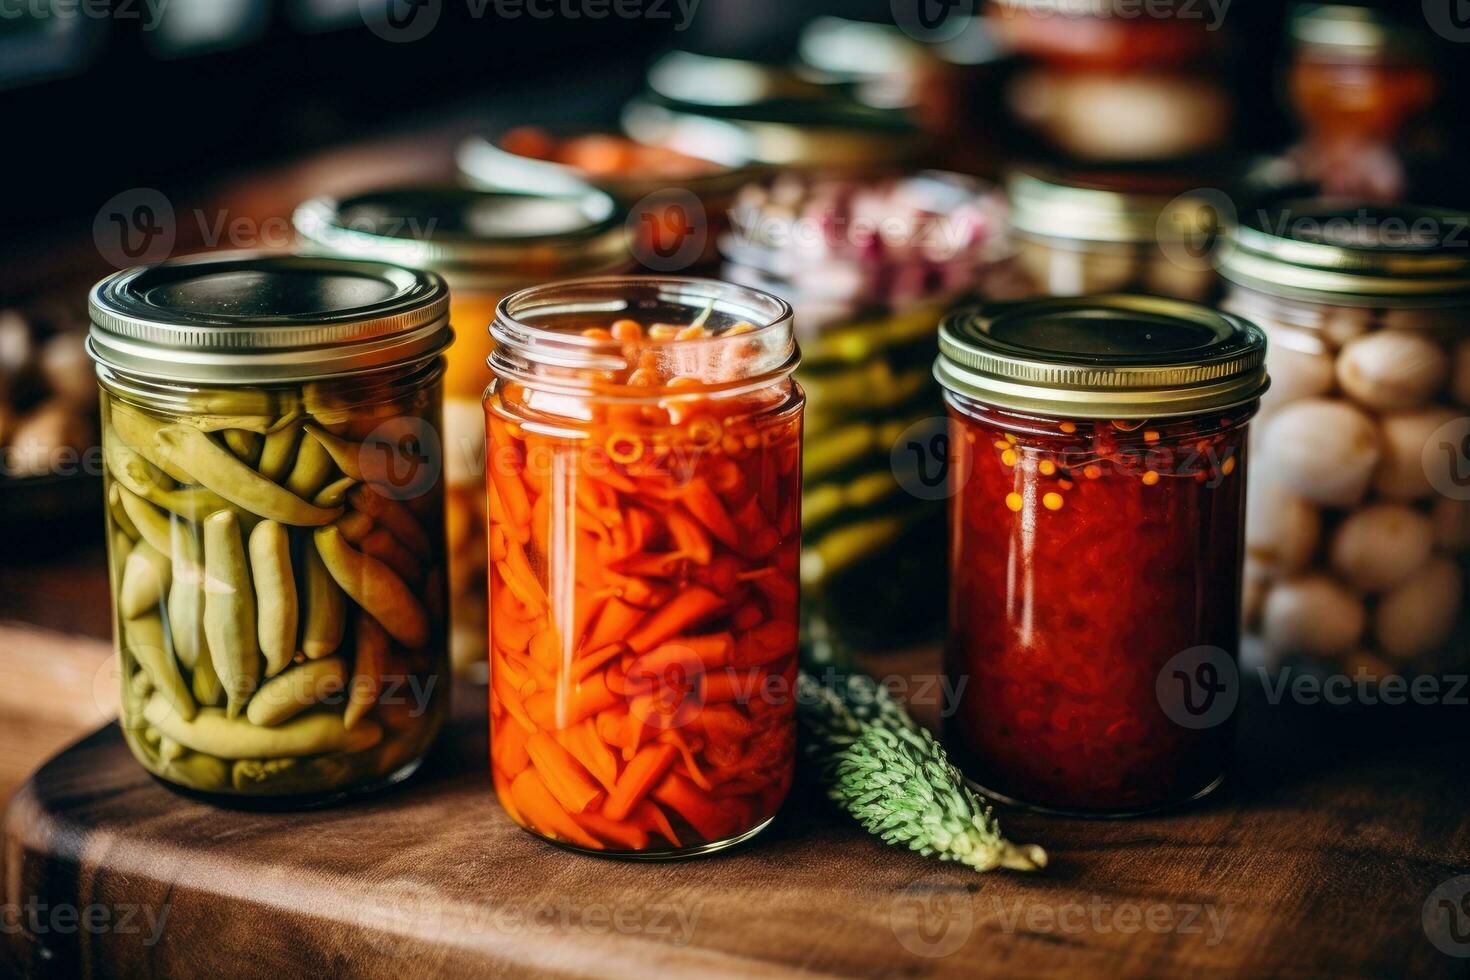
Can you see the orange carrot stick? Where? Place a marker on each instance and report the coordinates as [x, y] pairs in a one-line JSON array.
[[706, 507], [582, 701], [732, 684], [544, 814], [562, 774], [625, 834], [767, 642], [689, 537], [683, 611], [588, 748], [637, 779], [712, 820], [614, 623], [511, 699], [672, 737], [504, 472], [583, 666], [648, 816], [508, 749]]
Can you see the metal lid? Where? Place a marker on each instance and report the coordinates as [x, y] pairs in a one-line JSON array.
[[1110, 357], [1358, 32], [253, 317], [475, 239], [1108, 208], [1350, 254]]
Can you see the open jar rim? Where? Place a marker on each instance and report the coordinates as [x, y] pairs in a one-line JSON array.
[[540, 340]]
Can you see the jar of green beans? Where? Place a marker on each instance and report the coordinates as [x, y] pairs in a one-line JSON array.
[[275, 519]]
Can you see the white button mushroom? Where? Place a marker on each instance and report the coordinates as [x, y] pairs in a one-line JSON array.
[[1460, 373], [1341, 324], [1451, 524], [1312, 615], [1281, 528], [1324, 449], [1392, 369], [1380, 546], [1296, 372], [1406, 471], [1419, 616]]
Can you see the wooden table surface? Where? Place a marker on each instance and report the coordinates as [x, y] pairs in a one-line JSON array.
[[1317, 859]]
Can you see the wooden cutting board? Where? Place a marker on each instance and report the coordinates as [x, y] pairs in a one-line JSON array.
[[1318, 860]]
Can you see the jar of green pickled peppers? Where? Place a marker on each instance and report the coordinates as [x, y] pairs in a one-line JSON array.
[[275, 519]]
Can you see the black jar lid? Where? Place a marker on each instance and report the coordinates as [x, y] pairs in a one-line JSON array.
[[260, 317], [1110, 357]]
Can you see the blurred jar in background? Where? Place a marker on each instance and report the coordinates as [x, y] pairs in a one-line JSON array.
[[951, 87], [739, 110], [1358, 537], [1105, 86], [486, 245], [1359, 83], [1096, 232], [675, 195], [869, 267]]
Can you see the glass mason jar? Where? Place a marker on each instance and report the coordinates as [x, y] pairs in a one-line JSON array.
[[1360, 564], [644, 483], [870, 267], [486, 246], [275, 519], [1094, 232], [1097, 470]]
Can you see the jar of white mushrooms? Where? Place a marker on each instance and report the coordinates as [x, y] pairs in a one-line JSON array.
[[1358, 526]]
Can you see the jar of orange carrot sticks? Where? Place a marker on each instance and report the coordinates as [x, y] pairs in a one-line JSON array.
[[644, 484]]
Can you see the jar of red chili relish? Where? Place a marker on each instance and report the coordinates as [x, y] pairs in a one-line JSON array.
[[644, 485], [1098, 469]]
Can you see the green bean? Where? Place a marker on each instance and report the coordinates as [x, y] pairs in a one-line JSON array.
[[244, 444], [214, 467], [390, 513], [168, 750], [373, 650], [198, 771], [152, 524], [373, 540], [212, 731], [117, 559], [275, 594], [344, 453], [229, 610], [844, 547], [131, 470], [255, 424], [233, 402], [279, 449], [311, 471], [186, 603], [140, 686], [290, 775], [145, 581], [324, 607], [287, 695], [144, 640], [374, 587], [205, 683], [837, 449], [120, 518], [335, 492], [140, 432]]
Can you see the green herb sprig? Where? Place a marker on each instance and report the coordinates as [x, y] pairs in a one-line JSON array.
[[878, 765]]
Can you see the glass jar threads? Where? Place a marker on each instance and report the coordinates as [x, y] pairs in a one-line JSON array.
[[644, 484], [870, 267], [1091, 232], [1359, 537], [485, 245], [275, 521], [1096, 522]]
